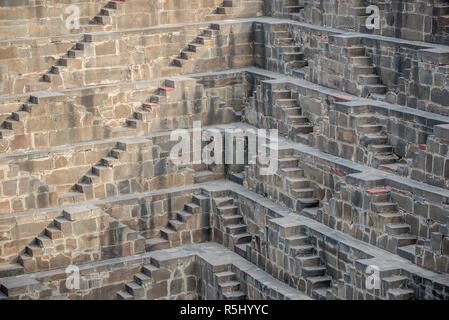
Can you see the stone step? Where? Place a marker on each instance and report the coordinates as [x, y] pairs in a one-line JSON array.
[[370, 129], [292, 111], [401, 294], [232, 220], [281, 94], [142, 279], [309, 261], [397, 229], [389, 218], [156, 244], [302, 128], [224, 201], [286, 102], [183, 216], [313, 271], [374, 89], [384, 207], [53, 233], [374, 139], [407, 252], [176, 225], [109, 162], [235, 295], [360, 61], [33, 250], [5, 133], [242, 238], [311, 213], [288, 163], [192, 208], [381, 159], [20, 115], [134, 289], [395, 282], [297, 120], [319, 282], [383, 148], [236, 229], [225, 276], [354, 51], [11, 270], [320, 294], [229, 286], [91, 179], [307, 203], [168, 234], [302, 250], [228, 210], [297, 183], [404, 240], [367, 79], [302, 193], [123, 295]]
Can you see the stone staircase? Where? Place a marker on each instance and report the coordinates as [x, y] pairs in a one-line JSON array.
[[372, 136], [92, 184], [231, 223], [291, 59], [198, 49], [25, 288], [397, 237], [396, 288], [187, 219], [364, 72], [230, 8], [357, 9], [60, 244], [292, 123], [228, 285], [291, 9], [105, 15], [296, 184], [318, 283], [136, 290]]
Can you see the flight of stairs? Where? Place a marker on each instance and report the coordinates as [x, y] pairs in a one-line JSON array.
[[235, 231], [199, 48], [105, 15], [27, 288], [373, 138], [57, 239], [364, 71], [102, 172], [293, 124], [228, 285], [318, 283], [291, 58], [136, 290], [397, 288], [391, 221], [296, 184], [170, 236], [291, 9]]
